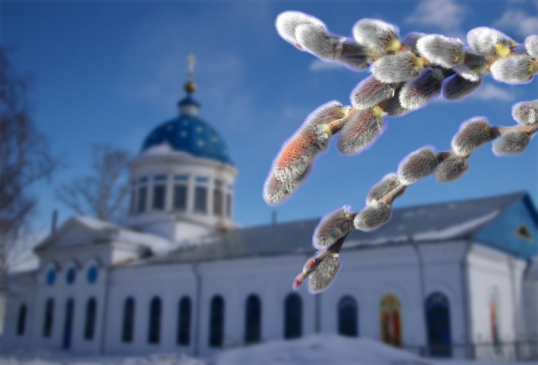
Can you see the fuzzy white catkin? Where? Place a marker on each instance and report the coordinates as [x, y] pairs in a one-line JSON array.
[[288, 21], [332, 227], [396, 68], [315, 39], [326, 113], [354, 56], [440, 50], [473, 67], [511, 143], [457, 87], [411, 39], [370, 92], [417, 165], [516, 69], [372, 216], [392, 106], [383, 187], [418, 92], [531, 45], [472, 134], [374, 34], [451, 168], [484, 40], [360, 132], [276, 191], [526, 112], [324, 274]]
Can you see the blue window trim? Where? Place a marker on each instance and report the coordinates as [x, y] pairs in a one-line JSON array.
[[143, 179], [181, 177], [202, 179], [51, 276], [159, 178]]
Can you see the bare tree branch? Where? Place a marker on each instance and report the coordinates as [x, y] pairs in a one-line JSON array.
[[102, 193], [25, 158]]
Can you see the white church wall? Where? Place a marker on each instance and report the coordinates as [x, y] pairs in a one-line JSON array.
[[235, 280], [17, 295], [139, 282], [491, 280]]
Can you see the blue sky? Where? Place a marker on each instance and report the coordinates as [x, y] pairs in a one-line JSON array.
[[110, 71]]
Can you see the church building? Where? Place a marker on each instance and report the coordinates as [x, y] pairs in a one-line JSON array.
[[456, 279]]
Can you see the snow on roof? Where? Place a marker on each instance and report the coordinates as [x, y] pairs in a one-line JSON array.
[[155, 243], [457, 230]]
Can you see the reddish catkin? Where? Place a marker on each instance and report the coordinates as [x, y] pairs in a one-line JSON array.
[[299, 152]]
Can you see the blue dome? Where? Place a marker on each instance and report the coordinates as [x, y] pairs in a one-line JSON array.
[[188, 133]]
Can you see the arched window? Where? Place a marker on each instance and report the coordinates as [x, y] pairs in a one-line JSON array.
[[438, 320], [154, 328], [91, 312], [293, 316], [216, 322], [128, 320], [49, 318], [68, 323], [21, 320], [391, 325], [92, 274], [253, 319], [51, 276], [347, 317], [184, 321], [70, 275]]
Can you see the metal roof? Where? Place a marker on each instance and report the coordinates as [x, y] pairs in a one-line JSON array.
[[425, 223]]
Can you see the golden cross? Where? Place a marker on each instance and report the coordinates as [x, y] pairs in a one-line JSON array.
[[192, 62]]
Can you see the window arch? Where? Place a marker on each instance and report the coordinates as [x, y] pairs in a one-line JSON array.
[[91, 313], [438, 322], [70, 275], [293, 316], [216, 322], [154, 328], [21, 319], [390, 318], [51, 276], [49, 318], [347, 317], [128, 320], [184, 321], [253, 319]]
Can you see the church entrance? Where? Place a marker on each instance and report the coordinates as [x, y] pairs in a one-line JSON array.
[[68, 324], [438, 317]]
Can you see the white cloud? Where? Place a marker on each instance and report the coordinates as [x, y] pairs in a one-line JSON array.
[[491, 92], [518, 21], [447, 15], [319, 65]]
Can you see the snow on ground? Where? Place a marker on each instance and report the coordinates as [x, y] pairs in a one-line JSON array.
[[324, 349]]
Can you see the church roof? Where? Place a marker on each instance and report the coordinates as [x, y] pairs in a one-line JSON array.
[[188, 133], [447, 221]]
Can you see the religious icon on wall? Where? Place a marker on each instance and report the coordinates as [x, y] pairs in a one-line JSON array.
[[390, 315]]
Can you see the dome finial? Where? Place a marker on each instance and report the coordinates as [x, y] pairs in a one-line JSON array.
[[190, 86]]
